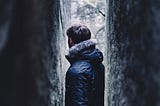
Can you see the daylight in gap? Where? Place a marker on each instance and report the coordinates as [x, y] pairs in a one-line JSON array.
[[92, 14]]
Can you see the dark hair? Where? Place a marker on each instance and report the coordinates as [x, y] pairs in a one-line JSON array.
[[79, 33]]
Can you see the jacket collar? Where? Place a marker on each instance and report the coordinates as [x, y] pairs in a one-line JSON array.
[[79, 48]]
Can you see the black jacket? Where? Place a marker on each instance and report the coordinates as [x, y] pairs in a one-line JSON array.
[[85, 77]]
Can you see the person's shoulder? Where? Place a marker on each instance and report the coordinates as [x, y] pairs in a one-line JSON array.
[[83, 63], [80, 68]]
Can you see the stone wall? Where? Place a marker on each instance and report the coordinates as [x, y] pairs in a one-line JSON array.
[[133, 46], [31, 32]]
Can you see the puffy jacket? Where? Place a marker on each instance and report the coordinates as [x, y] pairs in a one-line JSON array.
[[85, 76]]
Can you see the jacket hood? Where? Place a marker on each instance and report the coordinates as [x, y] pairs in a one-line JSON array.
[[85, 51]]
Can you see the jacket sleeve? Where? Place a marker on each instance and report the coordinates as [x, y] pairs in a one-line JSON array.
[[81, 88]]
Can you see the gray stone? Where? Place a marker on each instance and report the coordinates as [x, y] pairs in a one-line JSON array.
[[133, 45]]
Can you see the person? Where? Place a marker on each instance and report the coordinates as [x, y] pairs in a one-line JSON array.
[[85, 77]]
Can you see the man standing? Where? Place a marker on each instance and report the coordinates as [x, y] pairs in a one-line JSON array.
[[85, 76]]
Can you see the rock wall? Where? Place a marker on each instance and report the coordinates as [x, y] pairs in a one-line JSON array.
[[133, 46], [31, 67]]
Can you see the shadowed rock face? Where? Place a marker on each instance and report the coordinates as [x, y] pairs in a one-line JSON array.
[[29, 51], [133, 52]]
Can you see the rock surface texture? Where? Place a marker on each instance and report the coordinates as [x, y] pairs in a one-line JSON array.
[[133, 45], [31, 32]]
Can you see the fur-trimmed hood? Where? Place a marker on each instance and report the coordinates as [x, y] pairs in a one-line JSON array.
[[85, 51]]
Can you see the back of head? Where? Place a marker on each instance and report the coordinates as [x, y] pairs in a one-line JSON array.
[[79, 33]]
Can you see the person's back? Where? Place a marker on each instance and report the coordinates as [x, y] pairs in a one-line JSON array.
[[85, 77]]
